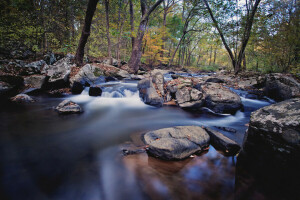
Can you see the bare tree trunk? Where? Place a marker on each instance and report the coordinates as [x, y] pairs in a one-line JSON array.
[[215, 56], [210, 54], [136, 53], [174, 53], [106, 2], [131, 21], [92, 4], [236, 61]]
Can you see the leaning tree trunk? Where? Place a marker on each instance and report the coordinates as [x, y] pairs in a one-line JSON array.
[[236, 61], [136, 54], [92, 4]]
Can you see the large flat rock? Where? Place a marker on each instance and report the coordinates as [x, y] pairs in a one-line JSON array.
[[176, 142]]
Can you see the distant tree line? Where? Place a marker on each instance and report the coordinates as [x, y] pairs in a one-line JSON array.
[[205, 34]]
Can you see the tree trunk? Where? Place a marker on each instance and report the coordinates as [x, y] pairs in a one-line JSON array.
[[136, 53], [106, 2], [174, 53], [210, 54], [92, 4], [215, 56], [131, 22], [236, 61]]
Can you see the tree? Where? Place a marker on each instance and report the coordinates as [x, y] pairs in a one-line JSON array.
[[136, 52], [106, 2], [237, 58], [92, 4]]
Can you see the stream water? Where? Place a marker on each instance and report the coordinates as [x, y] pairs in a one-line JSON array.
[[44, 155]]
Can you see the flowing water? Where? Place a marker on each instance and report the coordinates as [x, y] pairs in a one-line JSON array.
[[44, 155]]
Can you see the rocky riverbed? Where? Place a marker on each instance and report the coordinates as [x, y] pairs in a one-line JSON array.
[[99, 132]]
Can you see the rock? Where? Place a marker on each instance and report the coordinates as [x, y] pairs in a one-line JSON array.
[[5, 88], [36, 81], [68, 107], [214, 80], [49, 58], [107, 62], [175, 76], [36, 66], [189, 98], [149, 93], [278, 126], [158, 80], [223, 143], [177, 142], [77, 88], [95, 91], [137, 77], [221, 99], [91, 74], [269, 160], [227, 129], [281, 87], [9, 84], [22, 98], [109, 78], [87, 75], [59, 72]]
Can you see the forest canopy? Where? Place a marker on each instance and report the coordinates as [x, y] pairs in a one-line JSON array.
[[177, 33]]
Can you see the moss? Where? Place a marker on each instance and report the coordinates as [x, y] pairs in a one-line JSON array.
[[98, 72]]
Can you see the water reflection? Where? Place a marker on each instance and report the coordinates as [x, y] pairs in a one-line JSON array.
[[44, 155]]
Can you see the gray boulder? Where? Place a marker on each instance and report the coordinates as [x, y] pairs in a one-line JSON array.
[[36, 66], [221, 99], [94, 73], [107, 62], [269, 159], [281, 87], [37, 81], [68, 107], [149, 92], [189, 98], [177, 142], [22, 98], [277, 125], [59, 72]]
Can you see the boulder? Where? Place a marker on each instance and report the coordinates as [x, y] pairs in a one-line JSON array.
[[177, 142], [221, 99], [36, 66], [281, 87], [269, 160], [95, 91], [223, 143], [68, 107], [278, 126], [9, 84], [77, 88], [114, 62], [149, 92], [36, 81], [214, 80], [188, 97], [94, 73], [22, 98], [5, 87], [59, 72], [158, 80]]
